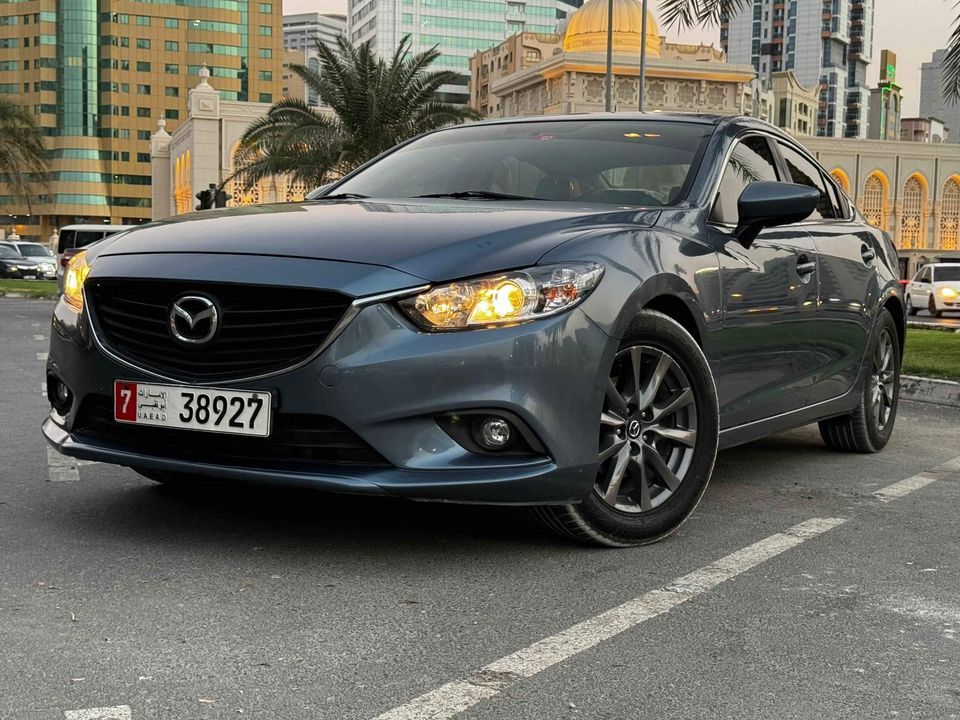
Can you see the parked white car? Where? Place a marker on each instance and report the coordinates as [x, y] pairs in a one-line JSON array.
[[935, 288]]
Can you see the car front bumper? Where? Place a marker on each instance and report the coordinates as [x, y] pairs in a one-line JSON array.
[[388, 383]]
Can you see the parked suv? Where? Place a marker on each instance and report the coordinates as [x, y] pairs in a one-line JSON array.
[[935, 288], [74, 238]]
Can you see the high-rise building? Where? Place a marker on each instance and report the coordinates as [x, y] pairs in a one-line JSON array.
[[825, 42], [100, 74], [457, 27], [302, 31], [933, 104], [886, 102]]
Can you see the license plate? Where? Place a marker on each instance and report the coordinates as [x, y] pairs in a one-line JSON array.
[[238, 412]]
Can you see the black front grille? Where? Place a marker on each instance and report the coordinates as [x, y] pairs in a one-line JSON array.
[[263, 329], [297, 442]]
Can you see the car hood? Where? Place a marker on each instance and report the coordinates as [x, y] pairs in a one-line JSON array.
[[22, 262], [432, 239]]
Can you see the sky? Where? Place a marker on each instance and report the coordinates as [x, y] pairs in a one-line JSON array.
[[913, 29]]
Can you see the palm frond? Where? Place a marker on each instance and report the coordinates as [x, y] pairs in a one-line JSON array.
[[950, 79], [692, 13]]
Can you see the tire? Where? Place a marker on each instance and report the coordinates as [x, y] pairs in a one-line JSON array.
[[864, 430], [932, 307], [911, 309], [658, 431]]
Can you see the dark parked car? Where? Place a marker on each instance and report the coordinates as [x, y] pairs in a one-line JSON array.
[[570, 313], [15, 265], [40, 254]]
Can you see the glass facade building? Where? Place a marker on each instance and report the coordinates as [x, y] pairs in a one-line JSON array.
[[458, 27], [99, 74], [825, 42]]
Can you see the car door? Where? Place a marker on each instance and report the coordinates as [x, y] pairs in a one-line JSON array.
[[768, 344], [920, 288], [849, 290]]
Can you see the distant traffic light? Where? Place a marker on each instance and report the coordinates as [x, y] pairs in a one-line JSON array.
[[206, 200], [221, 199]]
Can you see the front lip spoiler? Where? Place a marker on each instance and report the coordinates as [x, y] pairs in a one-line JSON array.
[[352, 311], [527, 485]]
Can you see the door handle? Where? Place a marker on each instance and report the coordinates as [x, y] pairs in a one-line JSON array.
[[805, 267], [868, 254]]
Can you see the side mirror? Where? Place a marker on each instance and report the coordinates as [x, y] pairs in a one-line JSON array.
[[769, 204]]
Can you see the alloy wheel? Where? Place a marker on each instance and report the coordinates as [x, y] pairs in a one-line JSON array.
[[648, 430], [883, 380]]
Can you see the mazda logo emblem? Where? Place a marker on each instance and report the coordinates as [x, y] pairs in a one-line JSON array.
[[194, 319], [633, 429]]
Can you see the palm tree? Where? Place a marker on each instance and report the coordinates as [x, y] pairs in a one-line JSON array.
[[23, 157], [375, 104]]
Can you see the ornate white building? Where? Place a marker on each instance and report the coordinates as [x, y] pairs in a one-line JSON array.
[[200, 153]]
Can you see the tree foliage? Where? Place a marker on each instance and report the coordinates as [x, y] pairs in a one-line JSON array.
[[23, 157], [374, 104]]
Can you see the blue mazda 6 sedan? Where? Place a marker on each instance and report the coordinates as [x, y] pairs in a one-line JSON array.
[[569, 313]]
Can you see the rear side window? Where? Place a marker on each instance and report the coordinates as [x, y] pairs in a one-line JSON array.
[[88, 237], [804, 172], [66, 241], [751, 161]]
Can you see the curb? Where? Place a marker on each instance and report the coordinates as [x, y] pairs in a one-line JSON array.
[[926, 390], [938, 328], [23, 296]]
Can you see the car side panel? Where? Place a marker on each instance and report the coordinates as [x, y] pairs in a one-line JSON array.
[[769, 341], [849, 295]]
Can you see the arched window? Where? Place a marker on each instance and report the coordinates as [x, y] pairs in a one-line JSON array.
[[876, 199], [950, 215], [913, 213], [843, 180]]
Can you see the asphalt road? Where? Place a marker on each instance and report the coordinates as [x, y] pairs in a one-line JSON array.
[[836, 594]]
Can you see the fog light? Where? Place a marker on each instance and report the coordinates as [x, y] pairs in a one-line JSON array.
[[60, 396], [495, 433]]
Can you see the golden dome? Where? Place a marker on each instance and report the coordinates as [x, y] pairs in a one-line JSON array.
[[587, 29]]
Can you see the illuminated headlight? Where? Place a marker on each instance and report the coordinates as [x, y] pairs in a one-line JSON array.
[[949, 293], [505, 298], [74, 278]]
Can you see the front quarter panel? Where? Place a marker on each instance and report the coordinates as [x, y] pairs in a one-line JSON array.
[[642, 265]]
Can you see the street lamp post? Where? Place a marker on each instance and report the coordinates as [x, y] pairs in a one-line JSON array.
[[643, 55], [609, 95]]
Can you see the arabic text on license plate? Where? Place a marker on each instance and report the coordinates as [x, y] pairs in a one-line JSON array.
[[239, 412]]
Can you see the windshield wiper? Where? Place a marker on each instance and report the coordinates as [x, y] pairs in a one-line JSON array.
[[342, 196], [477, 194]]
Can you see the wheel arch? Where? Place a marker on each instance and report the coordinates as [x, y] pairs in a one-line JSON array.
[[670, 295], [895, 306]]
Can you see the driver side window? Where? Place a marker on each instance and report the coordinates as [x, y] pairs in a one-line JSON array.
[[751, 161]]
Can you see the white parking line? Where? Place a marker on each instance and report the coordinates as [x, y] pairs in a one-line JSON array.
[[39, 337], [904, 487], [61, 468], [120, 712], [455, 697], [42, 356]]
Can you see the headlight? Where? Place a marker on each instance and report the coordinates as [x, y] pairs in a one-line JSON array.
[[74, 278], [949, 293], [503, 299]]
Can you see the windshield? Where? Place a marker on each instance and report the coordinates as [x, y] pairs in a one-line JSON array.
[[618, 162], [946, 274], [10, 254], [35, 250]]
